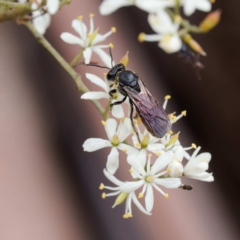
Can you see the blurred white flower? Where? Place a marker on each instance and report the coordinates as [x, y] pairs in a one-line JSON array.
[[198, 165], [117, 110], [42, 14], [167, 32], [116, 136], [122, 196], [109, 6], [189, 6], [89, 40], [148, 177]]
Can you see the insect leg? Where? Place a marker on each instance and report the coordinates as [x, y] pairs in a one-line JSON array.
[[133, 125], [111, 92], [117, 103]]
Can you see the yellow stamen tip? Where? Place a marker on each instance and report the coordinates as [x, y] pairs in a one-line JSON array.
[[167, 97], [125, 150], [80, 17], [137, 145], [101, 187], [149, 154], [140, 195], [184, 113], [122, 119], [103, 123], [131, 170], [168, 170], [125, 216], [141, 37], [129, 215], [170, 132], [111, 45], [113, 29], [174, 118], [103, 195], [91, 15], [158, 153], [194, 145], [166, 195]]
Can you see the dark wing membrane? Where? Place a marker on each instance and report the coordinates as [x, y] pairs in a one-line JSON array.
[[150, 111]]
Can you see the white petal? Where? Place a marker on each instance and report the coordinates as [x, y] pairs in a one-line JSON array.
[[109, 6], [124, 129], [205, 176], [81, 29], [52, 6], [188, 7], [172, 45], [117, 111], [110, 128], [103, 55], [149, 199], [142, 157], [138, 204], [179, 153], [41, 22], [129, 150], [113, 161], [136, 165], [93, 144], [112, 178], [87, 54], [98, 81], [168, 182], [131, 186], [155, 147], [154, 5], [204, 5], [71, 39], [161, 162], [95, 95]]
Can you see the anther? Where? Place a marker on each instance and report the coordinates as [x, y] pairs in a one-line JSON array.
[[184, 113], [111, 45], [194, 145], [140, 195], [80, 17], [141, 37], [167, 97], [91, 15], [166, 195], [103, 195], [113, 29], [101, 187], [103, 123]]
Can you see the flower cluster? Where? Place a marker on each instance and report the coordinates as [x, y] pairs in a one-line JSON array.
[[172, 30], [41, 13], [154, 163]]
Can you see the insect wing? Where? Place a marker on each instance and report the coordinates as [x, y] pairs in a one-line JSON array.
[[150, 111]]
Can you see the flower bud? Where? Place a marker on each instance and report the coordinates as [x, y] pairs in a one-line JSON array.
[[120, 199], [175, 168], [193, 44], [211, 20], [125, 59]]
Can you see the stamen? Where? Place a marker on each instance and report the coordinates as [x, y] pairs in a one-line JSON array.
[[166, 195], [170, 132], [113, 29], [103, 195], [184, 113], [111, 45], [137, 145], [131, 170], [167, 97], [91, 15], [122, 119], [103, 123], [101, 187], [141, 37], [80, 17], [194, 145], [158, 153], [125, 150], [140, 195]]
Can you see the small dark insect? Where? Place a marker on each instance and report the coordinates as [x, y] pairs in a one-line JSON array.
[[147, 107], [187, 187], [193, 58]]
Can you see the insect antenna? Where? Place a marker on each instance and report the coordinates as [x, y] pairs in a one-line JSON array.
[[110, 52], [95, 65]]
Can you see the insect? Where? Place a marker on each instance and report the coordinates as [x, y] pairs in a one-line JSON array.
[[147, 107]]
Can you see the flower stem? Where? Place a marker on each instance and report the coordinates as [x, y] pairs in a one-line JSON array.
[[75, 60], [75, 76], [11, 5]]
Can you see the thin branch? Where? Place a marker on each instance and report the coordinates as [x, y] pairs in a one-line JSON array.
[[74, 75]]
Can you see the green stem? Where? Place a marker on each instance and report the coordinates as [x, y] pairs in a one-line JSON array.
[[10, 5], [74, 75], [105, 114], [75, 60], [176, 7]]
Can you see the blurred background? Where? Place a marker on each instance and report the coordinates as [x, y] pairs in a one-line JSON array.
[[49, 186]]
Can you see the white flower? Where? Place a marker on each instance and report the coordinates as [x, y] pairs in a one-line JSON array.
[[109, 6], [89, 40], [197, 166], [117, 110], [116, 136], [122, 196], [167, 32], [148, 177], [189, 6], [42, 16], [175, 167]]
